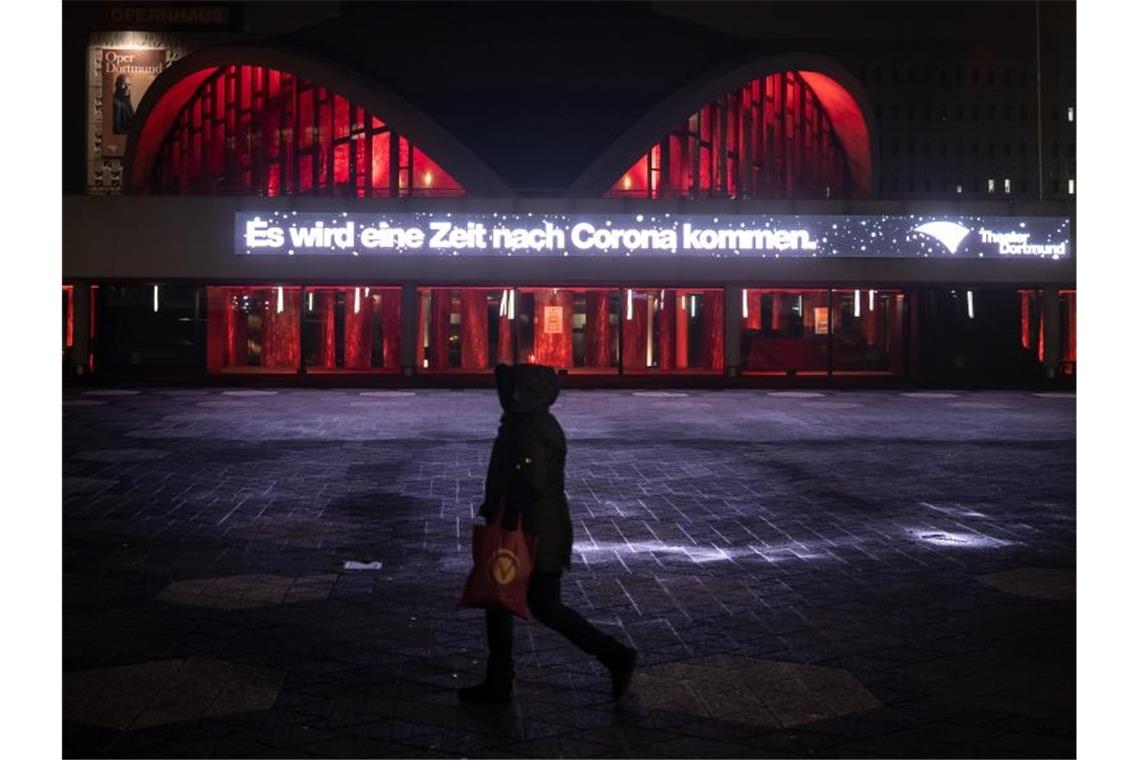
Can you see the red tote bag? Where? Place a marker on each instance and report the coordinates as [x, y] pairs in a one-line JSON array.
[[504, 560]]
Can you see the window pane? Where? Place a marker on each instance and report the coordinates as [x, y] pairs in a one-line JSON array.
[[253, 328], [785, 331], [352, 328]]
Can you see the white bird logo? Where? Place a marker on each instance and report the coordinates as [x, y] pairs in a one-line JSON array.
[[950, 234]]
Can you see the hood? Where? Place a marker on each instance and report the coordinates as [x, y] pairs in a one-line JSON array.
[[526, 387]]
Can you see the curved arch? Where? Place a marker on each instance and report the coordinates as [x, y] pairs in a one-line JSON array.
[[163, 102], [840, 95]]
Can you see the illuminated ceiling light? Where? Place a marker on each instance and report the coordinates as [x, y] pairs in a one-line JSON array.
[[857, 299], [871, 299], [626, 182], [156, 298], [356, 302], [310, 301], [970, 303], [745, 302], [427, 179], [629, 304], [280, 299]]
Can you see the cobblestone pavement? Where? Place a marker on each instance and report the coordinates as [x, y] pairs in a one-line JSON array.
[[848, 574]]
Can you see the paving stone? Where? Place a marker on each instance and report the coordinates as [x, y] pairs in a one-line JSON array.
[[778, 561], [158, 692], [1040, 583]]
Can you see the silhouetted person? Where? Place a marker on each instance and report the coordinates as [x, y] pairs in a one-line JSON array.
[[527, 473], [123, 111]]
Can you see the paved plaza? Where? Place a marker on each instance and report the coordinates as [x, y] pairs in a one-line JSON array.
[[275, 573]]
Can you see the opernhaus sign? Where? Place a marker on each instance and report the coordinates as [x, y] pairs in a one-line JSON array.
[[289, 233]]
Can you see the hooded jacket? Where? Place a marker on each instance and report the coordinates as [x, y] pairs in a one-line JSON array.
[[528, 461]]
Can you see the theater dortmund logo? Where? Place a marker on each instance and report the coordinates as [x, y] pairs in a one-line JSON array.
[[950, 234]]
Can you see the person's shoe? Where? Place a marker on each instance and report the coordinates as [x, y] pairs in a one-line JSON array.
[[487, 693], [621, 665]]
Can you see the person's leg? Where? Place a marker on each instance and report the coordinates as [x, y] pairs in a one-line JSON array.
[[544, 598], [500, 644], [497, 687]]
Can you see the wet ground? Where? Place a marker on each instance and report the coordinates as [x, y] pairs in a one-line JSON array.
[[276, 573]]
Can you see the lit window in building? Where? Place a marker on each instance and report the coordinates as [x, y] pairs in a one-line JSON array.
[[673, 330], [1072, 186], [351, 328], [259, 131], [959, 189], [740, 145], [991, 185], [1008, 186], [1072, 114], [253, 328]]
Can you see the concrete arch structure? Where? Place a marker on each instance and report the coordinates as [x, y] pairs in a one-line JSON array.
[[174, 87], [839, 92]]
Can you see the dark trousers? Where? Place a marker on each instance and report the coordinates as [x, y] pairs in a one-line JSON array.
[[544, 598]]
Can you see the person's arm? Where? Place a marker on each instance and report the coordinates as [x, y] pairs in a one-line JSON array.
[[495, 485]]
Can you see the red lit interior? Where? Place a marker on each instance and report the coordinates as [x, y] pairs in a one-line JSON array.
[[789, 134], [255, 130], [69, 320]]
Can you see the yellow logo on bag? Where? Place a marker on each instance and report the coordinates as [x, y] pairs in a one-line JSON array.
[[504, 566]]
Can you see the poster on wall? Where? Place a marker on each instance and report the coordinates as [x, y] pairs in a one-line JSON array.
[[552, 320], [126, 74], [821, 317]]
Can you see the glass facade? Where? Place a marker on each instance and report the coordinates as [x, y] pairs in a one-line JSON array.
[[979, 333], [672, 330], [147, 328], [253, 328], [68, 321], [351, 328], [953, 333], [1069, 332], [769, 139], [867, 332], [252, 130], [464, 329], [569, 328], [785, 331]]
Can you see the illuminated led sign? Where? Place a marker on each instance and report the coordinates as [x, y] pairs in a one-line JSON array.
[[288, 233]]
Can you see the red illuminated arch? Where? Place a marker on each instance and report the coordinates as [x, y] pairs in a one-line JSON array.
[[172, 100], [629, 168]]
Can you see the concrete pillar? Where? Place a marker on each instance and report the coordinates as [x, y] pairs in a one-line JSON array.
[[1052, 332], [409, 321], [733, 327], [81, 330]]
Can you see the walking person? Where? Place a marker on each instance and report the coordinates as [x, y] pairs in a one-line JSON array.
[[527, 475]]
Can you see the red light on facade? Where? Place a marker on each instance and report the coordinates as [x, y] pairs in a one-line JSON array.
[[794, 133], [249, 129]]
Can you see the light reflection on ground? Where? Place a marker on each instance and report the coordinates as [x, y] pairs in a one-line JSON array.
[[957, 539]]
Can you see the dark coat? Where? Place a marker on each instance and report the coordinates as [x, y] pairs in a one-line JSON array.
[[528, 462]]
